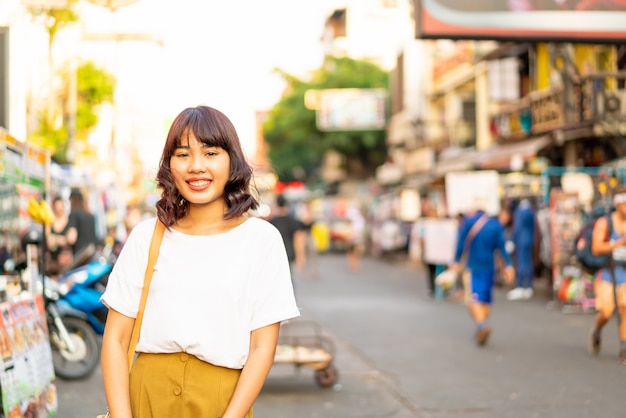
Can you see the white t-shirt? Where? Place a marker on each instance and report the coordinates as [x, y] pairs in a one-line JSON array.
[[207, 292]]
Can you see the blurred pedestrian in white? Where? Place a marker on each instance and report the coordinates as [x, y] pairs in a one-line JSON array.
[[356, 238]]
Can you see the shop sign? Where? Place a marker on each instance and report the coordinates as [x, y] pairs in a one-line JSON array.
[[11, 158], [547, 111], [27, 374], [471, 190], [22, 163], [351, 109], [35, 160]]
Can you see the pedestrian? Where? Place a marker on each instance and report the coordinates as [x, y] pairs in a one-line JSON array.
[[356, 238], [293, 232], [429, 212], [60, 252], [220, 288], [81, 227], [311, 245], [480, 237], [610, 286], [504, 217], [524, 226]]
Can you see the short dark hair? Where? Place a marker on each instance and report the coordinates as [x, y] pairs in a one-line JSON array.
[[281, 201], [76, 194], [212, 128]]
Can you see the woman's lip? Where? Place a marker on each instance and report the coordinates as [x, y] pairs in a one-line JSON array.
[[198, 184]]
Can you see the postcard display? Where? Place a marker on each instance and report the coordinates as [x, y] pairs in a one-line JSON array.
[[27, 380], [571, 285]]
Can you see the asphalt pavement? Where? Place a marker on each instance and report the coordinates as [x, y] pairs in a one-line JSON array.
[[400, 353]]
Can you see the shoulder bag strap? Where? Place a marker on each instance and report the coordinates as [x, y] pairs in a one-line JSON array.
[[609, 219], [155, 245], [474, 230]]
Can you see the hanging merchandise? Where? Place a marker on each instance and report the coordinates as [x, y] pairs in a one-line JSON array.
[[577, 196], [27, 376]]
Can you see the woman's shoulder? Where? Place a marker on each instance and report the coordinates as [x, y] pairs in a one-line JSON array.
[[260, 225]]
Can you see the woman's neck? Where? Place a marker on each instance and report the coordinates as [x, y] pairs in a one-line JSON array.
[[206, 221]]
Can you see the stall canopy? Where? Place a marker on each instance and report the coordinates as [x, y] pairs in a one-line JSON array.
[[462, 159], [501, 156]]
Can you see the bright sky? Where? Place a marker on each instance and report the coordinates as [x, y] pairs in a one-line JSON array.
[[219, 53]]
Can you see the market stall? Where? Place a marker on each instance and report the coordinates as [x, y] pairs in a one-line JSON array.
[[27, 379], [571, 194]]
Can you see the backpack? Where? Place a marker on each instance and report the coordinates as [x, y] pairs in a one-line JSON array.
[[590, 262]]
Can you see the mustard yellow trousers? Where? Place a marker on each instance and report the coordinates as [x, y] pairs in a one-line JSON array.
[[180, 385]]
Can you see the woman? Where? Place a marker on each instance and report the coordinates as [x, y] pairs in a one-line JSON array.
[[60, 253], [220, 288], [609, 285]]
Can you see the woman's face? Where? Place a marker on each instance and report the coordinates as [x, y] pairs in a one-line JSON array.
[[200, 172], [58, 207]]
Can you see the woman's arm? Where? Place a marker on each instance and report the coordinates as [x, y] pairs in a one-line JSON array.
[[114, 362], [262, 351], [600, 238]]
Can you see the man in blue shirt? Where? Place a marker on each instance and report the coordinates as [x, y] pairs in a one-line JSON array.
[[524, 240], [480, 235]]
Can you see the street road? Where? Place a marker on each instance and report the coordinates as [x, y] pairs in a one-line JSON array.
[[401, 354]]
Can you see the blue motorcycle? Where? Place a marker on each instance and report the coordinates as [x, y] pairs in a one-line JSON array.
[[74, 302], [81, 290]]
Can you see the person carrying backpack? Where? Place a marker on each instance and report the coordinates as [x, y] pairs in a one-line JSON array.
[[609, 237]]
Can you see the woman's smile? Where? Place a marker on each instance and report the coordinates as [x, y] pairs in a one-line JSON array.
[[199, 184]]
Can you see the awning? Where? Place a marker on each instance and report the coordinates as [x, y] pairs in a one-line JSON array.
[[500, 156], [463, 160]]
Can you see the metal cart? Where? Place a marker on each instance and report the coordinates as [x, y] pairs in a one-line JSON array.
[[301, 343]]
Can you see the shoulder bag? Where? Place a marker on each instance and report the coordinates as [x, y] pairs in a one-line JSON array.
[[449, 278], [155, 245]]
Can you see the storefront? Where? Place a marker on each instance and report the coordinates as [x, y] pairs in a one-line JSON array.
[[27, 378]]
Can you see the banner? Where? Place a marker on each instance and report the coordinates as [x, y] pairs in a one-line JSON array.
[[26, 372], [564, 20]]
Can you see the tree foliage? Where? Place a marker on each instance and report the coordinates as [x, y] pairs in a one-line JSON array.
[[296, 146], [95, 86]]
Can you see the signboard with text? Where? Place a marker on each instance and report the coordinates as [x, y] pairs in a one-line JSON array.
[[351, 109], [566, 20], [22, 162], [26, 372]]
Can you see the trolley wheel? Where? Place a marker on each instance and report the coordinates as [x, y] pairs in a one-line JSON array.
[[326, 377]]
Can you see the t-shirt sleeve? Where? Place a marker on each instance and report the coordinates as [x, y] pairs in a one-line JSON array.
[[272, 293], [125, 283], [72, 222]]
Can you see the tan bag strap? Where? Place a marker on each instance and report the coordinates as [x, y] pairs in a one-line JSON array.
[[155, 245], [474, 230]]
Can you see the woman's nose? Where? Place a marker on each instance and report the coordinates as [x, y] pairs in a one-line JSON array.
[[196, 163]]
